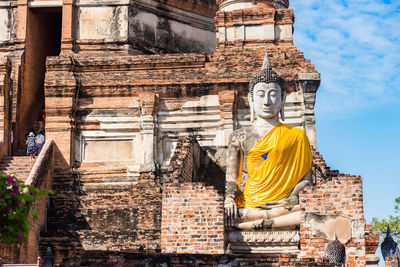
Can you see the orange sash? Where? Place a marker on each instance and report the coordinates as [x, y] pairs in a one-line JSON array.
[[275, 165]]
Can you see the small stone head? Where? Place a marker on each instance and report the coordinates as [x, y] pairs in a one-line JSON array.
[[266, 93]]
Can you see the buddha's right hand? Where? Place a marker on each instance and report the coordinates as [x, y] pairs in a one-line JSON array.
[[231, 212]]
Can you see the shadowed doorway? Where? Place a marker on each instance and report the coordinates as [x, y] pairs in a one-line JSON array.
[[43, 38]]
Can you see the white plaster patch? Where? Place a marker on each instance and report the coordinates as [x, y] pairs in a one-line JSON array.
[[253, 32], [268, 32], [331, 225], [249, 31], [230, 34], [117, 127], [4, 30], [101, 2], [284, 32], [103, 23], [108, 150], [239, 32], [57, 3], [221, 34], [205, 101]]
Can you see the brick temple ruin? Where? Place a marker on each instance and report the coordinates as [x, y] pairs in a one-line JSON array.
[[140, 99]]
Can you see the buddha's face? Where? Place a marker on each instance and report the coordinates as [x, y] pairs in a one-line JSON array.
[[267, 100]]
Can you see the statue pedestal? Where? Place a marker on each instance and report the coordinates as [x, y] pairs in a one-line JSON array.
[[256, 241]]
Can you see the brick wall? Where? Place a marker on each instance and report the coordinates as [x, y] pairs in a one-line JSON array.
[[192, 219], [371, 240], [191, 162], [184, 163], [192, 212], [5, 120], [339, 194]]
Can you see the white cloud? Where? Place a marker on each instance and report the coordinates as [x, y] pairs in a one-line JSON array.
[[355, 45]]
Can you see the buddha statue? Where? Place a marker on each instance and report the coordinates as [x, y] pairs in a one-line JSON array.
[[268, 163]]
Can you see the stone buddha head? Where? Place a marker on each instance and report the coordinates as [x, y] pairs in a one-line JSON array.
[[267, 94]]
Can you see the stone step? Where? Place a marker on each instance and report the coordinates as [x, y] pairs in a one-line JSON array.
[[19, 166], [63, 179], [15, 162], [94, 166], [16, 167], [105, 203], [106, 172], [103, 172], [17, 171], [19, 176], [15, 157], [88, 182], [104, 188]]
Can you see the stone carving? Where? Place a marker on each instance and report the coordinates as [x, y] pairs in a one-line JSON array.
[[280, 4], [229, 5], [264, 236], [336, 252], [268, 163], [389, 247], [263, 241]]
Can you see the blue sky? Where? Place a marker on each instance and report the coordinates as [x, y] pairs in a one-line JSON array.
[[355, 45]]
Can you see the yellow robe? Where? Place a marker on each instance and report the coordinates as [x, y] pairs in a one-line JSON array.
[[275, 165]]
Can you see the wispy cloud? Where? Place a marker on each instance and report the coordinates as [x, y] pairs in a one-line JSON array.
[[356, 46]]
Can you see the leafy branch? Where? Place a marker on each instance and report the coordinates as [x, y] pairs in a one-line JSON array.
[[393, 222], [16, 200]]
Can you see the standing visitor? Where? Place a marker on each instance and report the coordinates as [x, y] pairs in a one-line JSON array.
[[39, 142], [31, 149]]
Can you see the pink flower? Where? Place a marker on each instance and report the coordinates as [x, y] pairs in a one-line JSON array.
[[10, 180], [20, 238], [15, 187], [2, 200], [19, 204], [14, 194]]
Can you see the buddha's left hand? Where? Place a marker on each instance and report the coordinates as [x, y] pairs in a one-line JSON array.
[[290, 201]]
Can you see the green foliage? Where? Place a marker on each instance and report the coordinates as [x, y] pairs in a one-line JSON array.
[[393, 222], [15, 206]]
